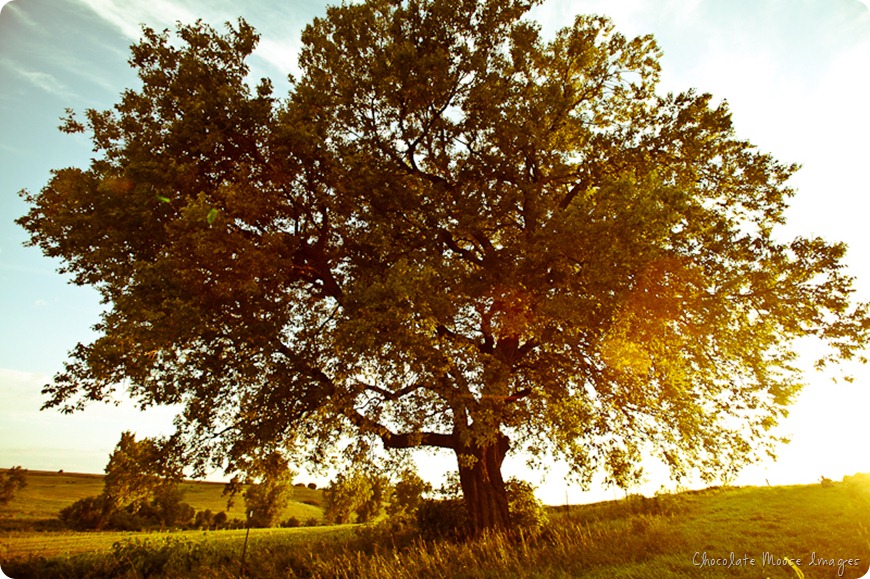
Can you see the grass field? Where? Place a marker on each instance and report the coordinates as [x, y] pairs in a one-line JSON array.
[[776, 532]]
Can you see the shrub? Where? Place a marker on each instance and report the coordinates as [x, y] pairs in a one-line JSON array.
[[312, 486], [204, 519], [291, 523], [527, 512], [167, 509], [220, 520], [311, 522], [84, 514], [127, 520], [442, 519]]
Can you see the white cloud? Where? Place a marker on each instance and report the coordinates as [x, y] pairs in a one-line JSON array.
[[281, 54], [279, 46], [42, 80], [128, 15]]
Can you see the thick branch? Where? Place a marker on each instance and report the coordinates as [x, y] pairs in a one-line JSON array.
[[446, 238], [391, 394], [403, 440]]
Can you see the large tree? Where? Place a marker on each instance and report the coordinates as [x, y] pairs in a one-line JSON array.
[[451, 233]]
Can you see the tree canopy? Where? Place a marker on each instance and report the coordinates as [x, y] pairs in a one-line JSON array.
[[452, 232]]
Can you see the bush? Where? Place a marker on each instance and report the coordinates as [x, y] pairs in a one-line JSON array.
[[166, 509], [204, 519], [527, 512], [127, 520], [291, 523], [220, 520], [311, 522], [235, 523], [312, 486], [443, 519], [84, 514]]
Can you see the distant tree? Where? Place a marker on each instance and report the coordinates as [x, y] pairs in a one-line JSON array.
[[204, 519], [12, 481], [220, 519], [344, 495], [379, 490], [358, 495], [167, 508], [453, 233], [407, 493], [143, 476], [267, 498], [140, 489]]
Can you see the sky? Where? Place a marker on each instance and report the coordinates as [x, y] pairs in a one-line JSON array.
[[795, 73]]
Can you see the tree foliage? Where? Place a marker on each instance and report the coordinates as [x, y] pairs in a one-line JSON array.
[[140, 489], [407, 493], [266, 499], [141, 471], [453, 232], [355, 496]]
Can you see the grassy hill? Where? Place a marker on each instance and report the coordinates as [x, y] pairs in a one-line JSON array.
[[806, 531], [36, 506]]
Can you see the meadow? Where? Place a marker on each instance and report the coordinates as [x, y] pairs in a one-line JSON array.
[[809, 531]]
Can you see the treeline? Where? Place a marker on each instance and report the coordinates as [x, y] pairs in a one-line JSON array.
[[141, 490]]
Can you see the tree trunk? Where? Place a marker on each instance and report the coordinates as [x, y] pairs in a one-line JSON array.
[[482, 485]]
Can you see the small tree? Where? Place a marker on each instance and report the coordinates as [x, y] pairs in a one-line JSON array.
[[12, 481], [220, 520], [357, 496], [141, 471], [371, 507], [203, 519], [168, 508], [140, 489], [407, 494], [267, 498], [342, 498]]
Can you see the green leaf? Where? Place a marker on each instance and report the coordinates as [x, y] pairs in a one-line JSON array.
[[212, 215]]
